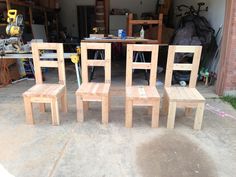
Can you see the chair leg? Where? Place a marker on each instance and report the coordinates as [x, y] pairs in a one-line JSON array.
[[86, 105], [171, 115], [165, 104], [64, 104], [109, 102], [128, 113], [105, 110], [80, 108], [155, 114], [149, 110], [55, 112], [28, 111], [199, 116], [42, 107], [188, 111]]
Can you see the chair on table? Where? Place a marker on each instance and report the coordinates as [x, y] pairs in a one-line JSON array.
[[47, 93], [90, 91], [186, 97], [142, 95]]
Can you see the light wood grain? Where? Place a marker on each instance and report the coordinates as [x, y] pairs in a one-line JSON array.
[[98, 92], [142, 95], [183, 97], [47, 93]]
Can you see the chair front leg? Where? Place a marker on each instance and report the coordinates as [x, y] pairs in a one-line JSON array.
[[64, 103], [105, 109], [128, 113], [28, 111], [55, 112], [80, 108], [165, 104], [155, 114], [171, 115], [199, 116]]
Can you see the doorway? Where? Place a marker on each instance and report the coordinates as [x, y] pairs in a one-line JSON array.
[[86, 16]]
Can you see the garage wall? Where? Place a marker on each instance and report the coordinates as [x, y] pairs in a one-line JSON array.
[[215, 14], [69, 10]]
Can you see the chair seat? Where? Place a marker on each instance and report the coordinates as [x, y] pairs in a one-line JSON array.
[[184, 94], [96, 89], [142, 92], [45, 90]]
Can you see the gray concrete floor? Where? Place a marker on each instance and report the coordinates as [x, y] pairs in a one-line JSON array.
[[93, 150]]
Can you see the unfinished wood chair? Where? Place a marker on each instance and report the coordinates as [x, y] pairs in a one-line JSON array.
[[185, 97], [131, 22], [47, 93], [90, 91], [142, 95]]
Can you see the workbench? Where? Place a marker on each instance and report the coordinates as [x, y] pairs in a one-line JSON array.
[[128, 40], [29, 55]]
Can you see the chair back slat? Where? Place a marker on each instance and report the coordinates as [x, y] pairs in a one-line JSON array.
[[106, 63], [39, 64], [171, 66], [152, 66]]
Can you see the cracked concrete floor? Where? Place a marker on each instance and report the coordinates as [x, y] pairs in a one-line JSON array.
[[91, 149]]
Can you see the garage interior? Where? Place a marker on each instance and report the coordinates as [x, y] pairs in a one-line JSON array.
[[91, 148]]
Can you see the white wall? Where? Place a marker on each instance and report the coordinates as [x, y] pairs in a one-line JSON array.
[[68, 14]]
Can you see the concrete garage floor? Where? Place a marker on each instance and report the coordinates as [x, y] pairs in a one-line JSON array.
[[93, 150]]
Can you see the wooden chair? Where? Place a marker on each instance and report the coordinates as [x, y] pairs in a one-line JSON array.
[[131, 22], [187, 97], [142, 95], [90, 91], [47, 93]]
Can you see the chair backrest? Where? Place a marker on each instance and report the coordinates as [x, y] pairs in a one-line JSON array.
[[158, 22], [39, 64], [171, 66], [152, 66], [86, 62]]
